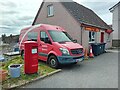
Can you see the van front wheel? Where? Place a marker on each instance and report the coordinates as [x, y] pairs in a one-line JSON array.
[[53, 62]]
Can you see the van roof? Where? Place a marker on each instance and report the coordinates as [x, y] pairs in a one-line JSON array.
[[46, 26], [52, 27]]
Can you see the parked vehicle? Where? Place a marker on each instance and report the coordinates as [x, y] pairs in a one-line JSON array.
[[55, 46]]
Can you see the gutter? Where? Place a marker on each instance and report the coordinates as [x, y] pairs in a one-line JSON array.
[[82, 23]]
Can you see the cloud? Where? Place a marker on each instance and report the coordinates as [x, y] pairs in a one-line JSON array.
[[8, 4], [100, 8], [17, 14], [5, 27], [26, 18], [9, 12], [97, 1]]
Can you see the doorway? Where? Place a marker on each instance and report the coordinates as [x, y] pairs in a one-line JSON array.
[[102, 37]]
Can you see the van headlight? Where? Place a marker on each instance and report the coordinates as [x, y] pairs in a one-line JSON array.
[[64, 51]]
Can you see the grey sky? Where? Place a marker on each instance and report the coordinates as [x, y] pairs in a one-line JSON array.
[[17, 14]]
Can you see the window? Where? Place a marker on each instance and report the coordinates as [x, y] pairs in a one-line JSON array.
[[32, 36], [43, 36], [108, 39], [91, 36], [59, 36], [50, 10]]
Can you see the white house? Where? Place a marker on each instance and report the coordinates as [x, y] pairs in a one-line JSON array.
[[116, 24]]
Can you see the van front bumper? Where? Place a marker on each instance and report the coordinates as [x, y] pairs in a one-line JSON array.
[[69, 59]]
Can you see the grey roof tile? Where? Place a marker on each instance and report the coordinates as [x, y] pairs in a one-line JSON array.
[[85, 15]]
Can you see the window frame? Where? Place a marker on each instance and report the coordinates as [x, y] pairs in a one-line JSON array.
[[49, 12], [108, 38], [45, 36], [92, 40]]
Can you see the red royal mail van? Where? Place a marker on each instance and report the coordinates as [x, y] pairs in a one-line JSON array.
[[54, 44]]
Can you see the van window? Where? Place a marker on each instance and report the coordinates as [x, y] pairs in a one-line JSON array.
[[59, 36], [32, 36], [43, 36]]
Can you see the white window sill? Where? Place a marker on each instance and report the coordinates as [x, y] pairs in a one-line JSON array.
[[92, 42], [50, 15]]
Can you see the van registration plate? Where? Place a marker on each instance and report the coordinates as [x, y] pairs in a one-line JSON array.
[[79, 60]]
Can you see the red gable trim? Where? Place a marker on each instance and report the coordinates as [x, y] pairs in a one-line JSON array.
[[108, 31]]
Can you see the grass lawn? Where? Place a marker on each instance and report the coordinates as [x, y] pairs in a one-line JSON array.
[[43, 69]]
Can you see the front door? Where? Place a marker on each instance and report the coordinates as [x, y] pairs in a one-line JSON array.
[[44, 48], [102, 37]]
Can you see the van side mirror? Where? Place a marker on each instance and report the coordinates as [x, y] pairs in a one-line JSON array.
[[47, 40], [75, 41]]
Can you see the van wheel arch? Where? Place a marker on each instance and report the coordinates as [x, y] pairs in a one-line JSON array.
[[52, 58], [49, 57]]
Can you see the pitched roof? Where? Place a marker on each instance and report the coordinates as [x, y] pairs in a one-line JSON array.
[[112, 8], [85, 15], [82, 14]]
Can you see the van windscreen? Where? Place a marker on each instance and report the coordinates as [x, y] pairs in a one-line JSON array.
[[59, 36]]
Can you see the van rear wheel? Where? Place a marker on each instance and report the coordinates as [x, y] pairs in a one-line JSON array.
[[53, 62]]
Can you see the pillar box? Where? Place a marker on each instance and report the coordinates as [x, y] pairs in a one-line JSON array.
[[30, 57]]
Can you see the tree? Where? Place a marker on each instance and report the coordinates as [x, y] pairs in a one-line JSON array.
[[3, 38], [11, 36]]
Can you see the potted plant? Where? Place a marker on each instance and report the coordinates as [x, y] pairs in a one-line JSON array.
[[3, 75]]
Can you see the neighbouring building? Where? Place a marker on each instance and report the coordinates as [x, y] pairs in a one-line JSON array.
[[80, 22], [12, 39], [116, 24]]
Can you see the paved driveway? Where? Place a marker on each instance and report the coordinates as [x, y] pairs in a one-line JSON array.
[[100, 72]]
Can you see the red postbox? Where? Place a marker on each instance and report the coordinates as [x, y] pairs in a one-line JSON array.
[[30, 57]]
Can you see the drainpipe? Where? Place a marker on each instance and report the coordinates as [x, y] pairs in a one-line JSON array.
[[81, 33]]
